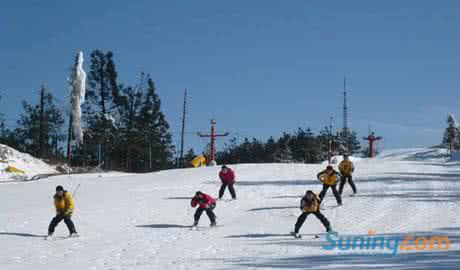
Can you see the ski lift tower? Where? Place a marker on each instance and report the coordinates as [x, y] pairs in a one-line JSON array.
[[213, 136], [372, 139]]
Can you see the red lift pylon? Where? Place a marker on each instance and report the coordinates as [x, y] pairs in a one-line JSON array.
[[372, 139], [213, 136]]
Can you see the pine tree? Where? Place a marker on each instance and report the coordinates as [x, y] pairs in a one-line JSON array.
[[155, 128], [348, 142], [39, 129], [451, 134], [130, 113], [327, 137], [3, 131], [366, 152], [102, 101], [188, 157]]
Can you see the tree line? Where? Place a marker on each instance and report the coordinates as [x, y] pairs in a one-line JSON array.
[[125, 129], [300, 146], [124, 126]]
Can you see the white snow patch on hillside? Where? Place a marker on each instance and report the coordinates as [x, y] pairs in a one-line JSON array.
[[141, 221], [22, 161]]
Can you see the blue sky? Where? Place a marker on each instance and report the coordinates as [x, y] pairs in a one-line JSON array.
[[258, 67]]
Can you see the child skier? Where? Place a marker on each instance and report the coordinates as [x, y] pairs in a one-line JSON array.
[[64, 208], [346, 169], [227, 177], [310, 205], [329, 179], [205, 203]]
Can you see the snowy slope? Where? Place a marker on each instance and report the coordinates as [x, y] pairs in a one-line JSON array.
[[140, 221], [22, 161]]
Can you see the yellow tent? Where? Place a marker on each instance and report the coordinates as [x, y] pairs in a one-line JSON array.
[[198, 161]]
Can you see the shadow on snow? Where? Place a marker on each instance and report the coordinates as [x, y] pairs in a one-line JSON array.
[[162, 226], [21, 234]]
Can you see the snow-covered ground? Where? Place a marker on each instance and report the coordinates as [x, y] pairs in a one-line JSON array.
[[29, 165], [141, 221]]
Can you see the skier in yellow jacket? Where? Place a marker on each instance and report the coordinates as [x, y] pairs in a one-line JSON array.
[[310, 205], [64, 209], [346, 169], [329, 178]]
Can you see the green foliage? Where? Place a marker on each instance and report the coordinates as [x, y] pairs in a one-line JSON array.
[[34, 132], [125, 126], [348, 142], [451, 137], [301, 146]]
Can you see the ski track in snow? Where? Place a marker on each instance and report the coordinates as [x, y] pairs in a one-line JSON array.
[[129, 221]]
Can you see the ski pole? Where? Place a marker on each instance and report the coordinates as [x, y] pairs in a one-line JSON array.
[[75, 191]]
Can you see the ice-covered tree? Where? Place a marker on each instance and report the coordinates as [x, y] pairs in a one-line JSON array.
[[77, 89]]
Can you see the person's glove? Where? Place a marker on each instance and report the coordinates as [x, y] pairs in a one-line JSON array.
[[68, 212]]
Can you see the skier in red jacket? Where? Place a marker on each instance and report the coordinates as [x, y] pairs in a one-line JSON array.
[[204, 203], [227, 177]]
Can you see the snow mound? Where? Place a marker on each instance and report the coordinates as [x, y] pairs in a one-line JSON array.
[[415, 154], [30, 166]]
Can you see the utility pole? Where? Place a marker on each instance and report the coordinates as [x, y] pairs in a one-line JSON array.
[[213, 136], [41, 136], [345, 107], [330, 142], [69, 139], [181, 161]]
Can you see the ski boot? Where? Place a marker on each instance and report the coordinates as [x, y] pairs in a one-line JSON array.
[[194, 226], [49, 236]]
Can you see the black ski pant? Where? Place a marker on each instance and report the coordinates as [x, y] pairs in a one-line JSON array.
[[304, 216], [334, 190], [343, 180], [209, 212], [230, 188], [57, 219]]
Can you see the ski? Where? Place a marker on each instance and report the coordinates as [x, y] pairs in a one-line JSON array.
[[47, 238], [202, 228], [299, 236]]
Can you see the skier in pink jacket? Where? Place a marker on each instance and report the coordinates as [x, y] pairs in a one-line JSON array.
[[205, 203]]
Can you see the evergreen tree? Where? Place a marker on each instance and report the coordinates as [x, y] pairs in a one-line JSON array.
[[366, 152], [102, 100], [3, 131], [283, 152], [188, 157], [155, 128], [39, 129], [131, 125], [327, 139], [451, 134], [348, 142]]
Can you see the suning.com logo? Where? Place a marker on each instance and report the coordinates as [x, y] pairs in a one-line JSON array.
[[386, 244]]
